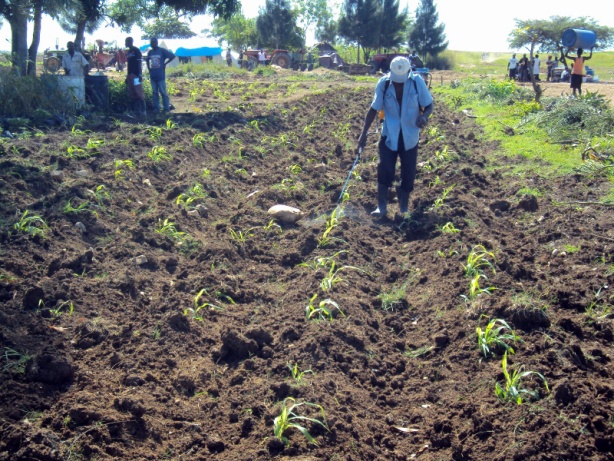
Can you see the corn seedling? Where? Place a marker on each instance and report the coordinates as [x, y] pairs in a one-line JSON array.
[[435, 182], [197, 306], [512, 389], [100, 194], [321, 261], [240, 237], [289, 419], [94, 144], [477, 261], [120, 166], [57, 312], [84, 206], [440, 200], [332, 278], [74, 151], [200, 139], [31, 224], [331, 222], [159, 154], [297, 374], [169, 229], [295, 169], [495, 336], [206, 173], [326, 309], [448, 228], [170, 124], [15, 361], [272, 226], [155, 133], [475, 289]]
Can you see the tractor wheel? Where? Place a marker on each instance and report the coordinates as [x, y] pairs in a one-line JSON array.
[[374, 67], [252, 61], [52, 64], [282, 60]]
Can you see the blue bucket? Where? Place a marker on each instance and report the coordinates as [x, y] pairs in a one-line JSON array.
[[578, 38]]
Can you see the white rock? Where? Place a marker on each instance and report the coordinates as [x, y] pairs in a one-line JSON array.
[[320, 168], [140, 260], [147, 182], [79, 225], [193, 213], [82, 173], [285, 213]]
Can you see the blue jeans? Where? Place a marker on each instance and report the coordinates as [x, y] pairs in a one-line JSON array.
[[388, 161], [160, 87]]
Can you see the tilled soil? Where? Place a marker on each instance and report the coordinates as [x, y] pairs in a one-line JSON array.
[[104, 358]]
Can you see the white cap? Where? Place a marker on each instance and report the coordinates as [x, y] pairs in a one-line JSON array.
[[399, 69]]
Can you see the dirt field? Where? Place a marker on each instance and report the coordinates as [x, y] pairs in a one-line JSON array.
[[113, 351]]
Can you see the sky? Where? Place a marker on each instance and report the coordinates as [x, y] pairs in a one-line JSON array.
[[470, 25]]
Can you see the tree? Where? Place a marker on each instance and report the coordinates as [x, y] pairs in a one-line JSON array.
[[167, 25], [394, 25], [277, 28], [314, 14], [85, 15], [16, 13], [360, 23], [426, 36], [238, 32], [545, 35], [127, 13]]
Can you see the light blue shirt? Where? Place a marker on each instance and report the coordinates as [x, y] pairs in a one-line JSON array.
[[414, 97]]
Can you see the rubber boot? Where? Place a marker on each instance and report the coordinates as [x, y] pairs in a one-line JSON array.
[[382, 201], [403, 197]]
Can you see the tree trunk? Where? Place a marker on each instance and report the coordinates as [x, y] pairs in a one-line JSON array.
[[19, 31], [80, 34], [537, 89], [36, 38]]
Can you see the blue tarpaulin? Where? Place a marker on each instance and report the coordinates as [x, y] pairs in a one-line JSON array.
[[203, 51]]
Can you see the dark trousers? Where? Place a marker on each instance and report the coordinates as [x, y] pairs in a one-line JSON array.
[[388, 161]]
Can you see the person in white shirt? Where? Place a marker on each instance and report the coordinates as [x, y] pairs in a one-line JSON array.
[[73, 62], [512, 67], [536, 62], [262, 58]]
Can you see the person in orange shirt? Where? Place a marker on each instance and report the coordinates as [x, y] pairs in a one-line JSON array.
[[577, 70]]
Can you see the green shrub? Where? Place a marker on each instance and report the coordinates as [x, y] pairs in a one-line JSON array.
[[22, 96], [119, 99]]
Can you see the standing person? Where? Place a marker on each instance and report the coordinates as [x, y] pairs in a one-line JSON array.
[[228, 57], [261, 57], [536, 63], [549, 66], [413, 57], [73, 62], [577, 70], [522, 68], [408, 104], [134, 79], [512, 67], [157, 59]]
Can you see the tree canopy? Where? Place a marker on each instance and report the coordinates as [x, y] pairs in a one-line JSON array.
[[277, 28], [239, 32], [167, 25], [426, 36], [545, 34], [360, 23]]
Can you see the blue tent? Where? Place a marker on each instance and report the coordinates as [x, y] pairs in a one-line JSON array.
[[203, 51]]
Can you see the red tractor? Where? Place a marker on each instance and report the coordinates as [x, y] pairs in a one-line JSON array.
[[381, 62], [282, 58]]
